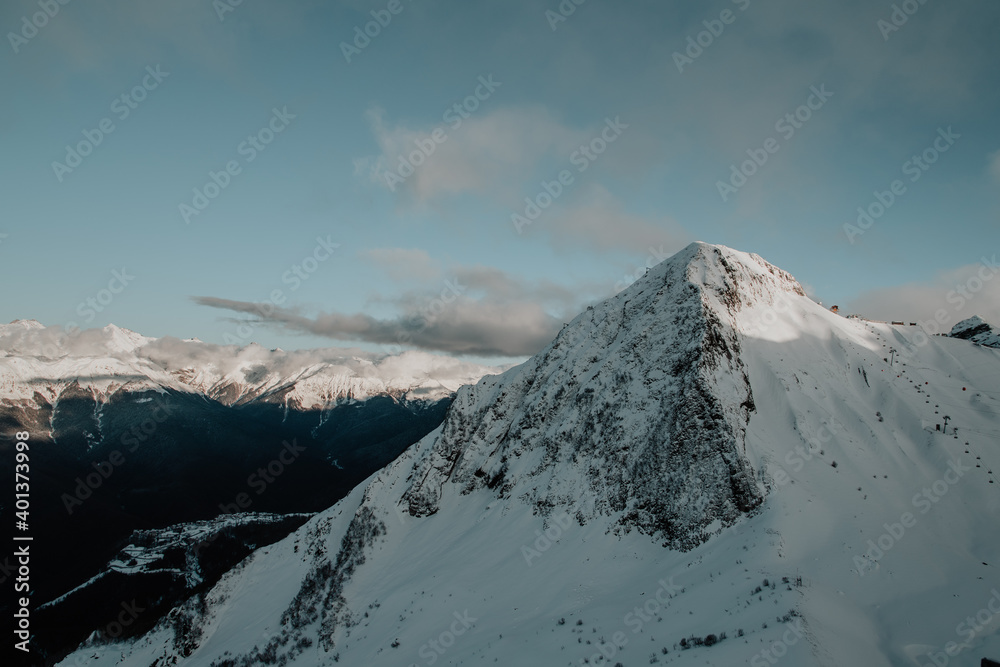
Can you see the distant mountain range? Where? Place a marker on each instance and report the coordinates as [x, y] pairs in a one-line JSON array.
[[35, 358], [130, 433]]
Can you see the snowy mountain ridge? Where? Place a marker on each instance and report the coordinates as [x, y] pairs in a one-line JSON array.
[[612, 414], [708, 438], [976, 330], [35, 358]]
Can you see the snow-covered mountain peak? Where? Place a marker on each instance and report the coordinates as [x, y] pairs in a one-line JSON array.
[[34, 357], [123, 340], [978, 331], [615, 415], [21, 324], [712, 393], [736, 278], [968, 324]]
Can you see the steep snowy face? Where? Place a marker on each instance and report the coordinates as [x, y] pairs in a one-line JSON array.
[[976, 330], [637, 410]]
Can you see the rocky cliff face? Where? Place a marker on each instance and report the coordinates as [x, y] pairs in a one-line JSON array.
[[978, 331], [637, 410]]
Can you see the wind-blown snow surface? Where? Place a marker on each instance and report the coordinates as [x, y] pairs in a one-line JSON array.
[[47, 360], [810, 509]]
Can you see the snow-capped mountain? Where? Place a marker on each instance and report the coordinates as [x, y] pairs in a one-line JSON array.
[[34, 358], [708, 468], [976, 330], [132, 433]]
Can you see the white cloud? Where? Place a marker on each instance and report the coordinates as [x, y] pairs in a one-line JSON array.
[[500, 287], [462, 326], [477, 310], [599, 221], [491, 153], [956, 294]]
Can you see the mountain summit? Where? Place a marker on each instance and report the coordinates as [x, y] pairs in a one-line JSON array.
[[638, 409], [707, 468], [976, 330]]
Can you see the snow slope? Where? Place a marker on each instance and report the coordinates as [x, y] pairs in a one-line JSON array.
[[708, 452]]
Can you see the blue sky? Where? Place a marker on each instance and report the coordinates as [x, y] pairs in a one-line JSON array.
[[436, 258]]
